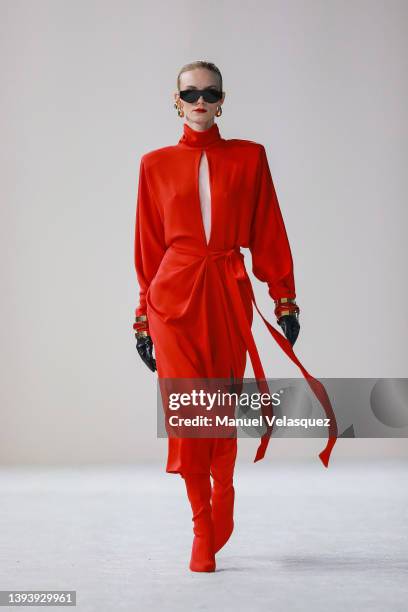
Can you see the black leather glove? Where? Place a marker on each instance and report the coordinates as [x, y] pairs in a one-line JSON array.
[[144, 347], [290, 326]]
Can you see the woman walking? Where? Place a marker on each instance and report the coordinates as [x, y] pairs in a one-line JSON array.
[[198, 202]]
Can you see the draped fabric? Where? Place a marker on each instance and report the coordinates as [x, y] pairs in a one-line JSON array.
[[196, 292]]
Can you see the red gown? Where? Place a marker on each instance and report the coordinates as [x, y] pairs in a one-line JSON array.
[[197, 296]]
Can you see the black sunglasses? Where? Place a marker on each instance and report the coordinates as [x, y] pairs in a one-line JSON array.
[[209, 95]]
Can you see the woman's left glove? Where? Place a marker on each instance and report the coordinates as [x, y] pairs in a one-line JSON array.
[[290, 326], [287, 313]]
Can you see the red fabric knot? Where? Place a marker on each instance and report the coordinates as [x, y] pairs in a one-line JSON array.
[[236, 260]]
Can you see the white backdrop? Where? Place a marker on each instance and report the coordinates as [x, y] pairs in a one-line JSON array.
[[87, 88]]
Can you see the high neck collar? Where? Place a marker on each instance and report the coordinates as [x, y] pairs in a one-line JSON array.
[[195, 138]]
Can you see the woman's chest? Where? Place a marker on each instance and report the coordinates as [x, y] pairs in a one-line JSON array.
[[185, 182]]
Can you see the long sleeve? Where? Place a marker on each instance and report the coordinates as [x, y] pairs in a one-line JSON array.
[[149, 246], [269, 245]]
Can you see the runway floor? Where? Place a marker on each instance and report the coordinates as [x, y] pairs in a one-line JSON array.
[[306, 538]]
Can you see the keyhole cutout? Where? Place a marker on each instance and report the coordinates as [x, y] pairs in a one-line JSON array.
[[205, 196]]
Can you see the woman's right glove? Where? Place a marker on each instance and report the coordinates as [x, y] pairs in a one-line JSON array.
[[144, 343], [144, 347]]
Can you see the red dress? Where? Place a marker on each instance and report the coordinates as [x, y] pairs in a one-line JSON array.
[[197, 296]]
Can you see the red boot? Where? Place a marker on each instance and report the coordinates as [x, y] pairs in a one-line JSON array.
[[222, 500], [199, 493], [223, 492]]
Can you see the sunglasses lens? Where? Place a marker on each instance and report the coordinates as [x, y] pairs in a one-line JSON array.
[[212, 95], [190, 95]]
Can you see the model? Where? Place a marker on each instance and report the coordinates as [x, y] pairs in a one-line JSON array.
[[198, 202]]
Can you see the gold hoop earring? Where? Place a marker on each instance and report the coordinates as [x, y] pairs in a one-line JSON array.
[[179, 108], [219, 112]]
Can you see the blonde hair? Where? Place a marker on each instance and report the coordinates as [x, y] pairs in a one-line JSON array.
[[200, 64]]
